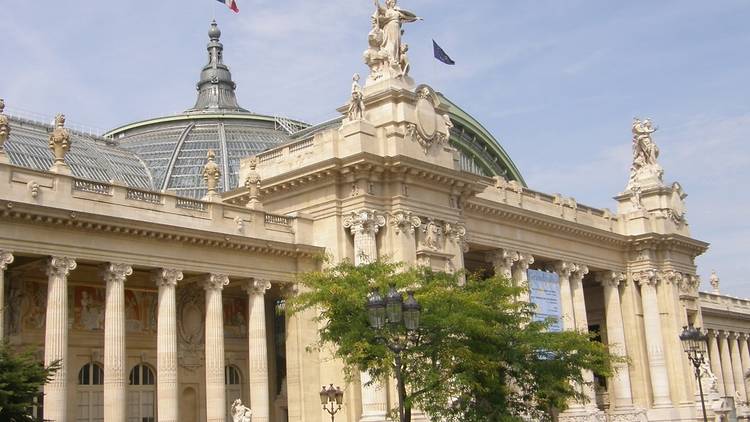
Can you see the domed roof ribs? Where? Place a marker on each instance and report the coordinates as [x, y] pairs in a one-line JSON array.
[[216, 88], [175, 153]]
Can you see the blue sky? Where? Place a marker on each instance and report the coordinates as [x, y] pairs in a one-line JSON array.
[[557, 82]]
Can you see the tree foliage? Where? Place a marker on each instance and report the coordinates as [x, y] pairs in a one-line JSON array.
[[21, 379], [478, 355]]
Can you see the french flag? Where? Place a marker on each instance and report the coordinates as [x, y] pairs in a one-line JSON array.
[[231, 4]]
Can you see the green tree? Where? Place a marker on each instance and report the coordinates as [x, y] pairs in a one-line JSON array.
[[21, 379], [478, 355]]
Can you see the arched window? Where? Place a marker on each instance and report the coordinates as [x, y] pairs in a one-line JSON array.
[[141, 394], [233, 382], [90, 393]]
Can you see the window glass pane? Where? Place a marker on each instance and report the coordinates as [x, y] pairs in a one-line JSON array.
[[148, 376], [98, 375], [83, 375]]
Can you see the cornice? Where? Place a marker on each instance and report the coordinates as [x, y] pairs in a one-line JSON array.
[[124, 227]]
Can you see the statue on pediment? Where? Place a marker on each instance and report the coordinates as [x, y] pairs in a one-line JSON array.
[[386, 55], [645, 170]]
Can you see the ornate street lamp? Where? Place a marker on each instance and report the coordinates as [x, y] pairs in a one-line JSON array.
[[694, 344], [331, 399], [392, 311]]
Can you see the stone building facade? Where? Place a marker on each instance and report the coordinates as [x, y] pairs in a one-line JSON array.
[[158, 276]]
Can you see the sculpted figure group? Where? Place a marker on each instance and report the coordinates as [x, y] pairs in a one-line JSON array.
[[387, 55], [645, 169], [240, 412]]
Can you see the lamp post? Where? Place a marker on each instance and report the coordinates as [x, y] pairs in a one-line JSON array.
[[393, 311], [694, 344], [331, 398]]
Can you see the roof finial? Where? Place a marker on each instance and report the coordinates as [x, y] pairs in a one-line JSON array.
[[714, 280], [212, 175], [59, 143], [216, 88], [4, 129]]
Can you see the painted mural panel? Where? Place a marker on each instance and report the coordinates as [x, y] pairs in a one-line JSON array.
[[235, 317], [87, 305], [140, 311], [28, 303]]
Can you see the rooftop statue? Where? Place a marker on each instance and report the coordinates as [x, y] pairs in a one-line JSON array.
[[4, 125], [59, 141], [645, 170], [386, 55], [211, 174], [357, 103]]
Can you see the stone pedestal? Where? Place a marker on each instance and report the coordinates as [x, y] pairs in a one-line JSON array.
[[216, 401], [715, 361], [115, 366], [167, 388], [56, 338], [257, 353]]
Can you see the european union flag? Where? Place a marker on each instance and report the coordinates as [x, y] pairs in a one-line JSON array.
[[441, 55]]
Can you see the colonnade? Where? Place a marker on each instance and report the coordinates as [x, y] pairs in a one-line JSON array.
[[729, 358], [115, 275]]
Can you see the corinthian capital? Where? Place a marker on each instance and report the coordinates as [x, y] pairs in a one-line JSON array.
[[524, 261], [60, 266], [6, 258], [405, 222], [116, 273], [610, 278], [579, 271], [646, 278], [216, 282], [166, 277], [365, 221], [564, 269], [503, 260], [257, 287]]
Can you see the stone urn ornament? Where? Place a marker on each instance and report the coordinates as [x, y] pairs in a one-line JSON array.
[[59, 141], [4, 125]]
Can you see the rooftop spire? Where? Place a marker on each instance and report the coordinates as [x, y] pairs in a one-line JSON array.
[[216, 88]]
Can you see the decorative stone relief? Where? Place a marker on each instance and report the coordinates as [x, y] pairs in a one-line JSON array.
[[456, 232], [59, 140], [432, 235], [405, 222], [386, 54], [190, 321], [33, 188], [431, 128], [676, 211], [645, 170]]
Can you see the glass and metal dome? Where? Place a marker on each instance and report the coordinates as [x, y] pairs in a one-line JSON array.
[[174, 148], [90, 157]]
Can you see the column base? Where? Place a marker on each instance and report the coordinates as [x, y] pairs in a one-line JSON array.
[[582, 415]]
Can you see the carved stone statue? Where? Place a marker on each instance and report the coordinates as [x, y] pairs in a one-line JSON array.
[[4, 125], [645, 170], [211, 174], [357, 103], [252, 182], [386, 55], [714, 280], [240, 412], [59, 141]]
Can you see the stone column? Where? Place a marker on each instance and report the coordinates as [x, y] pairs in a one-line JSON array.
[[582, 325], [745, 358], [521, 275], [714, 358], [739, 376], [563, 270], [56, 337], [5, 259], [115, 387], [654, 338], [167, 387], [726, 363], [621, 396], [364, 226], [216, 403], [258, 355]]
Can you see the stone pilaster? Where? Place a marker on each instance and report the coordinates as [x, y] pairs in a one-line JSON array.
[[56, 337], [167, 387], [216, 402], [521, 274], [621, 397], [739, 376], [502, 262], [745, 358], [115, 386], [648, 281], [715, 360], [258, 354], [6, 258], [364, 225], [726, 363]]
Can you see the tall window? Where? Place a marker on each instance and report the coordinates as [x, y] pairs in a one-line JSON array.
[[141, 395], [233, 382], [90, 393]]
